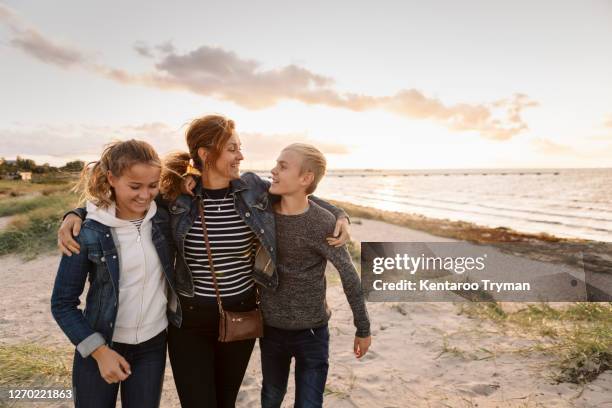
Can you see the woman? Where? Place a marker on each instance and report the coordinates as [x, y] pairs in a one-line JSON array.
[[243, 244], [121, 336]]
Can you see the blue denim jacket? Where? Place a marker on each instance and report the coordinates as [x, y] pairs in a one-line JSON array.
[[252, 201], [99, 262]]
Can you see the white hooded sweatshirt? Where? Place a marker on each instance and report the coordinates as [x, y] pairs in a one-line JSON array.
[[142, 304]]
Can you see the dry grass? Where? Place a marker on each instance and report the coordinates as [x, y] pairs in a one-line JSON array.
[[355, 252], [578, 337], [33, 229], [40, 185], [27, 364]]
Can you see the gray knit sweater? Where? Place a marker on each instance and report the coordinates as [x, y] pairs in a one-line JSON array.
[[302, 253]]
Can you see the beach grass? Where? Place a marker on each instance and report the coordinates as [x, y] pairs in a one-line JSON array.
[[40, 186], [33, 228], [26, 364], [355, 252], [578, 336], [19, 205]]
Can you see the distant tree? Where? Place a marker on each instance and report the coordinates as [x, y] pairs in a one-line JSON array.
[[25, 164], [73, 166], [8, 166], [45, 169]]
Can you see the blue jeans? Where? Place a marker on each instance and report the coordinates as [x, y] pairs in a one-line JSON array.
[[141, 389], [310, 348]]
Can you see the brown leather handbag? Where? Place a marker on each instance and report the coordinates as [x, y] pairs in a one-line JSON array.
[[233, 326]]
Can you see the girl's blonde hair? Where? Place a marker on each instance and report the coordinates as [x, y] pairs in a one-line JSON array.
[[312, 161], [210, 132], [117, 157]]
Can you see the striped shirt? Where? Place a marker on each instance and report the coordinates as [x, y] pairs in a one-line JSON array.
[[232, 246], [137, 223]]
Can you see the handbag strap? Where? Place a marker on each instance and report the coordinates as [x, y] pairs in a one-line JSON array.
[[209, 252]]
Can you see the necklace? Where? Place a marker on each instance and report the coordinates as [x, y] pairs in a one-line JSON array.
[[214, 200]]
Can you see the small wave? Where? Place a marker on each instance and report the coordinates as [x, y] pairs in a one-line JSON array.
[[492, 207], [499, 217]]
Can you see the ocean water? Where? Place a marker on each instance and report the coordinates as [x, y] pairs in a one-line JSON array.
[[574, 203]]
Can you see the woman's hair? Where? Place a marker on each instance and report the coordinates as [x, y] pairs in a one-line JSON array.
[[312, 160], [171, 181], [210, 132], [117, 157]]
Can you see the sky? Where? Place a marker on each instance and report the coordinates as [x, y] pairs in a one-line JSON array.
[[385, 84]]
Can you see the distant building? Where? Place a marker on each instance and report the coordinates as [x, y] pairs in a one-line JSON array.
[[25, 175]]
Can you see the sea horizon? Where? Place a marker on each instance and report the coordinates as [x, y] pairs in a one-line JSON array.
[[568, 203]]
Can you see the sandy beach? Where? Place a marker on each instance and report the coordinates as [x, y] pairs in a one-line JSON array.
[[423, 354]]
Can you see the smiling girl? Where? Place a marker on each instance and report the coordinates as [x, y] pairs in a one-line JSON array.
[[120, 338]]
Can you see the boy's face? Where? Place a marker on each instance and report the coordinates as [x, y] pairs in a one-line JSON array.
[[287, 178]]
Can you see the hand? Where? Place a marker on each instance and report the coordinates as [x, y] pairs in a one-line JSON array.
[[188, 185], [342, 233], [71, 227], [113, 367], [361, 346]]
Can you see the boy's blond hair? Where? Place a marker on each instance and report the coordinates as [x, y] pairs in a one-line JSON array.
[[312, 160]]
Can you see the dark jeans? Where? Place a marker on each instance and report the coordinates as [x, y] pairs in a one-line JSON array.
[[310, 348], [142, 389], [207, 373]]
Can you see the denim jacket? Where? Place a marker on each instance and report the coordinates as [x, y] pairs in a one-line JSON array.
[[98, 261], [252, 202]]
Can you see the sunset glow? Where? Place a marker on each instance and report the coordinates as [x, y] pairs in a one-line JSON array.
[[400, 85]]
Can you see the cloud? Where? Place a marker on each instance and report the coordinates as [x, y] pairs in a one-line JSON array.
[[151, 127], [222, 74], [165, 48], [499, 120], [80, 141], [593, 151], [143, 49], [36, 45], [605, 134], [32, 42], [6, 14], [260, 147], [213, 71], [146, 51], [84, 141], [547, 146]]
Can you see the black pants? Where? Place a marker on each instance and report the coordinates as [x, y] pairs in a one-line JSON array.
[[207, 373]]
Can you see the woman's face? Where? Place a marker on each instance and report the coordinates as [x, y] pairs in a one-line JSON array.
[[135, 189], [227, 165], [287, 175]]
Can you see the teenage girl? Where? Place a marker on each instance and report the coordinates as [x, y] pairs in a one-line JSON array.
[[120, 337]]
